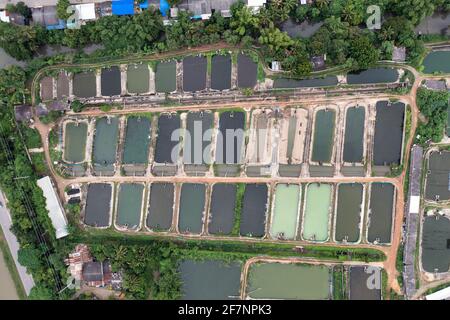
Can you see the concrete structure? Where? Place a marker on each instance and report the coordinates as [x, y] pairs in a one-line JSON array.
[[399, 54], [85, 12], [4, 16], [23, 113], [55, 210], [412, 210], [443, 294]]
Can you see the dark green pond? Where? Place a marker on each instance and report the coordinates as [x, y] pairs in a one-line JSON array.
[[166, 76], [436, 244], [354, 134], [129, 205], [254, 207], [138, 78], [381, 209], [194, 73], [375, 75], [84, 85], [192, 207], [197, 138], [223, 201], [247, 71], [323, 135], [98, 205], [348, 215], [306, 83], [75, 141], [105, 141], [165, 142], [437, 185], [111, 83], [363, 285], [221, 72], [137, 139], [210, 280], [160, 210], [231, 137], [437, 61]]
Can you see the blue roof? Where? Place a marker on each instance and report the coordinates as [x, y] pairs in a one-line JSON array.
[[144, 5], [164, 7], [122, 7], [61, 25]]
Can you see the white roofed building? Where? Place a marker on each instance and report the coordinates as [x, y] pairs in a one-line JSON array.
[[53, 205]]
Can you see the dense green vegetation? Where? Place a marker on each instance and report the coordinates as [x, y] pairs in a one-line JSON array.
[[433, 105], [340, 38]]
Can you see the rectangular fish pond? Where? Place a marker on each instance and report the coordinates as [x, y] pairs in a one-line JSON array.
[[194, 73], [138, 78], [166, 76], [165, 145], [46, 88], [354, 134], [247, 71], [111, 81], [437, 61], [221, 72], [316, 214], [365, 283], [137, 139], [285, 213], [288, 281], [129, 206], [210, 280], [254, 209], [437, 183], [381, 212], [348, 212], [197, 138], [388, 138], [98, 205], [160, 206], [286, 83], [323, 136], [436, 244], [374, 75], [85, 84], [192, 208], [62, 85], [105, 141], [230, 138], [222, 210], [75, 136]]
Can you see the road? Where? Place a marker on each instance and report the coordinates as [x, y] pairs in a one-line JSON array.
[[13, 244]]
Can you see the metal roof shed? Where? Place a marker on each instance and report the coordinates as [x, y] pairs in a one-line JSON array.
[[55, 210], [122, 7], [85, 11]]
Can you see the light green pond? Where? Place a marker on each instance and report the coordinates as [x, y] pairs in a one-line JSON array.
[[317, 211], [288, 281], [284, 222], [129, 205], [75, 142]]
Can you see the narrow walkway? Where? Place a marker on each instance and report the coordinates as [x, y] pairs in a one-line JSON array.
[[412, 221], [6, 223]]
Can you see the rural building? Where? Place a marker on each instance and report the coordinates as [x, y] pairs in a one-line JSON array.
[[203, 9], [23, 113], [53, 205], [76, 259], [97, 274], [399, 54], [435, 84], [443, 294], [4, 16], [318, 62]]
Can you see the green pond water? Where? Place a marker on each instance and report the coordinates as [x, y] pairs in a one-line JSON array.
[[84, 84], [166, 76], [381, 207], [138, 78], [288, 281], [437, 61], [210, 280], [129, 205], [323, 136], [348, 215], [137, 139], [75, 142], [285, 213], [105, 141], [192, 206], [316, 216], [354, 135]]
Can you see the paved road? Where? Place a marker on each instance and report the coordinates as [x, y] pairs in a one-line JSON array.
[[5, 222]]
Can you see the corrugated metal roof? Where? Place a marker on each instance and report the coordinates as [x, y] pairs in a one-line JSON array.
[[55, 211], [122, 7]]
